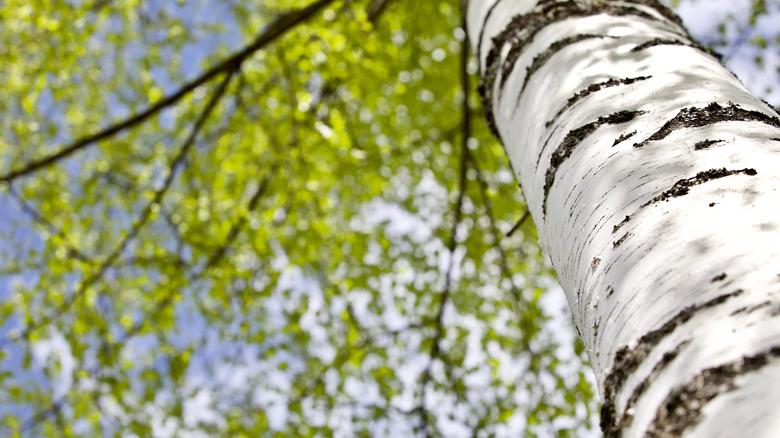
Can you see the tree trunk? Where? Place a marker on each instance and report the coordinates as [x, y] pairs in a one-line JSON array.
[[652, 176]]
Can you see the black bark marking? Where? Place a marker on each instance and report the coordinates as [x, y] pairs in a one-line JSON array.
[[658, 42], [751, 309], [620, 241], [610, 291], [663, 10], [592, 89], [628, 417], [545, 56], [623, 138], [627, 360], [482, 31], [718, 278], [683, 186], [595, 327], [712, 204], [711, 114], [522, 30], [706, 144], [620, 225], [672, 42], [771, 106], [776, 139], [682, 407], [573, 139]]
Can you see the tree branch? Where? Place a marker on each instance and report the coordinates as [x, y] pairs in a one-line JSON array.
[[144, 216], [36, 216], [376, 9], [519, 223], [464, 161], [162, 303], [217, 255], [272, 32]]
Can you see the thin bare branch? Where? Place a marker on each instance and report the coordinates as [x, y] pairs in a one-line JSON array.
[[234, 231], [162, 303], [519, 223], [376, 9], [36, 216], [271, 33], [345, 354], [143, 217], [464, 163]]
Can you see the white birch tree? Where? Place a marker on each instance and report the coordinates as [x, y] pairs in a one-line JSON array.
[[652, 176], [288, 218]]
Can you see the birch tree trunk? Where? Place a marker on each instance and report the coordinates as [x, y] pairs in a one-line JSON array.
[[652, 176]]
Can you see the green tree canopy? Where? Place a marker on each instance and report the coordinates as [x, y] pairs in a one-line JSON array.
[[281, 217]]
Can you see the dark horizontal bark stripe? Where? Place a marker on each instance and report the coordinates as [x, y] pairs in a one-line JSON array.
[[524, 27], [545, 56], [617, 227], [659, 42], [683, 406], [706, 144], [748, 310], [771, 106], [620, 241], [482, 31], [683, 186], [719, 277], [713, 113], [672, 42], [627, 360], [623, 137], [663, 10], [592, 89], [628, 417], [573, 139]]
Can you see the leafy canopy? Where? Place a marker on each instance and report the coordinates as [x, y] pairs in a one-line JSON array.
[[230, 218]]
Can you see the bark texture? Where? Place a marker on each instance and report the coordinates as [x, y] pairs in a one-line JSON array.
[[653, 177]]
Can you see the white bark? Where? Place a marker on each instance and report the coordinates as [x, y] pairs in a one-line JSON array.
[[671, 264]]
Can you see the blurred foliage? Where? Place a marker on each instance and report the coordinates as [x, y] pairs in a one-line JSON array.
[[310, 243], [747, 35]]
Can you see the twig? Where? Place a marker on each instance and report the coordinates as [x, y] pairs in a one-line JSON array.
[[376, 9], [36, 216], [464, 161], [519, 223], [275, 30], [217, 255], [161, 304], [143, 218]]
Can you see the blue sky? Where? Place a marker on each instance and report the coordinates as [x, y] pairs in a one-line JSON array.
[[16, 232]]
